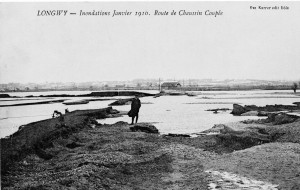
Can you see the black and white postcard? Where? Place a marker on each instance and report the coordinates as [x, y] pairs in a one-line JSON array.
[[150, 95]]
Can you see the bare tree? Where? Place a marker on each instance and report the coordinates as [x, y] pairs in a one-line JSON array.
[[294, 87]]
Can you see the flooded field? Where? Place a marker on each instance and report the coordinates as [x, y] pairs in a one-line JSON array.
[[170, 114]]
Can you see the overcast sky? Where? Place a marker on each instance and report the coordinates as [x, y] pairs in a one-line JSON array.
[[240, 44]]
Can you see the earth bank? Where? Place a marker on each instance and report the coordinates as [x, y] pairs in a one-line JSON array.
[[76, 152]]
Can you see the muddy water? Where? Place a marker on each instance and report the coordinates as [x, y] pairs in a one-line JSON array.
[[170, 114]]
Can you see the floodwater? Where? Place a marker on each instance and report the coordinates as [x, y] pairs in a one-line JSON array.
[[170, 114]]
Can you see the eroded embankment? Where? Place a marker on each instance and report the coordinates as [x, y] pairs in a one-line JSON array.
[[85, 155], [105, 157], [251, 155], [264, 110], [36, 136]]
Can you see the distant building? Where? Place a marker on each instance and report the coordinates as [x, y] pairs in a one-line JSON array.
[[170, 85], [120, 86]]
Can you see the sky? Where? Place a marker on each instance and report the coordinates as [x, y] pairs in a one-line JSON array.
[[240, 44]]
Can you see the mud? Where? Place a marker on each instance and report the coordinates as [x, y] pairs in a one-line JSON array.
[[238, 109], [78, 153]]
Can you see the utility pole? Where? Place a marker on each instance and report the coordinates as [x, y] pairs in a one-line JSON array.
[[159, 84]]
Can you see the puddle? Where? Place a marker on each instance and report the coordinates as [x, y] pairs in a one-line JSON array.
[[226, 180]]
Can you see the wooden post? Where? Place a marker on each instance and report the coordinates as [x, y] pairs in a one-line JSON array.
[[159, 85]]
